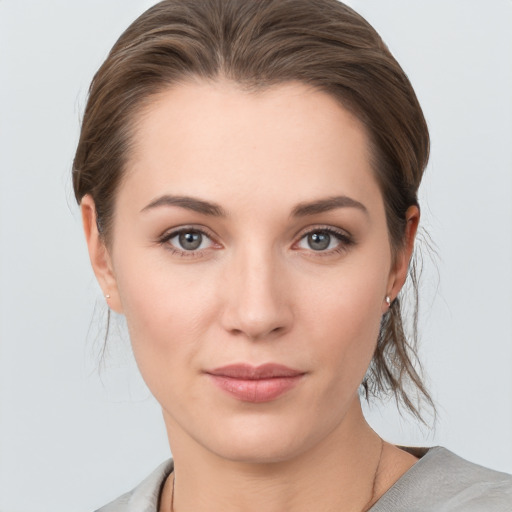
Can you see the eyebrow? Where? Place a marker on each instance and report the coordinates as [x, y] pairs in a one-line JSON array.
[[214, 210], [189, 203], [325, 205]]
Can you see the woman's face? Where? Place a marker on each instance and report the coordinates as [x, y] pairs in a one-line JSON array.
[[250, 255]]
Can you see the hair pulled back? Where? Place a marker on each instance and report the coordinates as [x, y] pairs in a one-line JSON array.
[[258, 44]]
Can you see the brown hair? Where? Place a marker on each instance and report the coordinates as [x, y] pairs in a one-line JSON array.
[[257, 44]]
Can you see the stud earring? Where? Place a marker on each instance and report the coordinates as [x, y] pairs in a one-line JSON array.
[[388, 301], [107, 296]]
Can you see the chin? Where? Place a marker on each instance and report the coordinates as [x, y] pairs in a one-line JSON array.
[[263, 440], [263, 451]]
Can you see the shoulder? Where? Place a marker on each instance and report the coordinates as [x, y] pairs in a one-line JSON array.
[[145, 497], [443, 481]]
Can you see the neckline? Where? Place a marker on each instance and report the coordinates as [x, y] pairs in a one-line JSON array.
[[424, 455]]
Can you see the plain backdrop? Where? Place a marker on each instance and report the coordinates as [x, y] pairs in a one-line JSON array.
[[74, 433]]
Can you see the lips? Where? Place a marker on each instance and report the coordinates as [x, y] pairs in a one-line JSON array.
[[255, 383]]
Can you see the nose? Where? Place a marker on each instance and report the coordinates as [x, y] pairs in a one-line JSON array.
[[257, 302]]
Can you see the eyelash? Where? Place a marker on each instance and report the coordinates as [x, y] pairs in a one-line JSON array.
[[166, 237], [344, 239]]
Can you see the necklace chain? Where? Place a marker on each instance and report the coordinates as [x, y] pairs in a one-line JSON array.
[[366, 508], [371, 501]]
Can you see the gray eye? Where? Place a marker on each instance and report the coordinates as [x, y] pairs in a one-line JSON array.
[[319, 240], [190, 240]]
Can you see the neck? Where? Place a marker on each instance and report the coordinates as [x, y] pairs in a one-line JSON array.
[[339, 473]]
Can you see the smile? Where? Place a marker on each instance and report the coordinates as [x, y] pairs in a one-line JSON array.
[[255, 384]]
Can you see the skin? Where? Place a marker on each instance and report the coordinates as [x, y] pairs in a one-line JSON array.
[[256, 291]]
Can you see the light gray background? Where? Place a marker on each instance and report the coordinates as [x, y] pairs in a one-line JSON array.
[[72, 440]]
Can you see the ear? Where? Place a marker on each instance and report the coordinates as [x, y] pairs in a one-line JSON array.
[[99, 255], [400, 268]]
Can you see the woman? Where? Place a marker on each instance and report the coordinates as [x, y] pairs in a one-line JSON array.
[[248, 176]]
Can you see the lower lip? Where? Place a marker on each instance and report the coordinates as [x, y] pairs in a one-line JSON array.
[[257, 390]]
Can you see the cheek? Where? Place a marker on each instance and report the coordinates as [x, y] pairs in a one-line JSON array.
[[347, 329], [166, 312], [345, 315]]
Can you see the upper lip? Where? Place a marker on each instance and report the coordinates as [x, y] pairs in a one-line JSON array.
[[249, 372]]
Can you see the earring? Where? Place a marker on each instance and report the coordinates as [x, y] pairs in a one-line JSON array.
[[388, 301], [107, 296]]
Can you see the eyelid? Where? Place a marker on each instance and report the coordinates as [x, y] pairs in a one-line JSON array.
[[170, 233], [323, 227], [344, 237]]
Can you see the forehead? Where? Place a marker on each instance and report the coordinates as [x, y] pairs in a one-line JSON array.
[[215, 138]]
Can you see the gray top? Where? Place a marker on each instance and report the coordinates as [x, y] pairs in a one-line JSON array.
[[439, 482]]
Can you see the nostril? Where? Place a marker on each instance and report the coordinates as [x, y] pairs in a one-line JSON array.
[[258, 332]]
